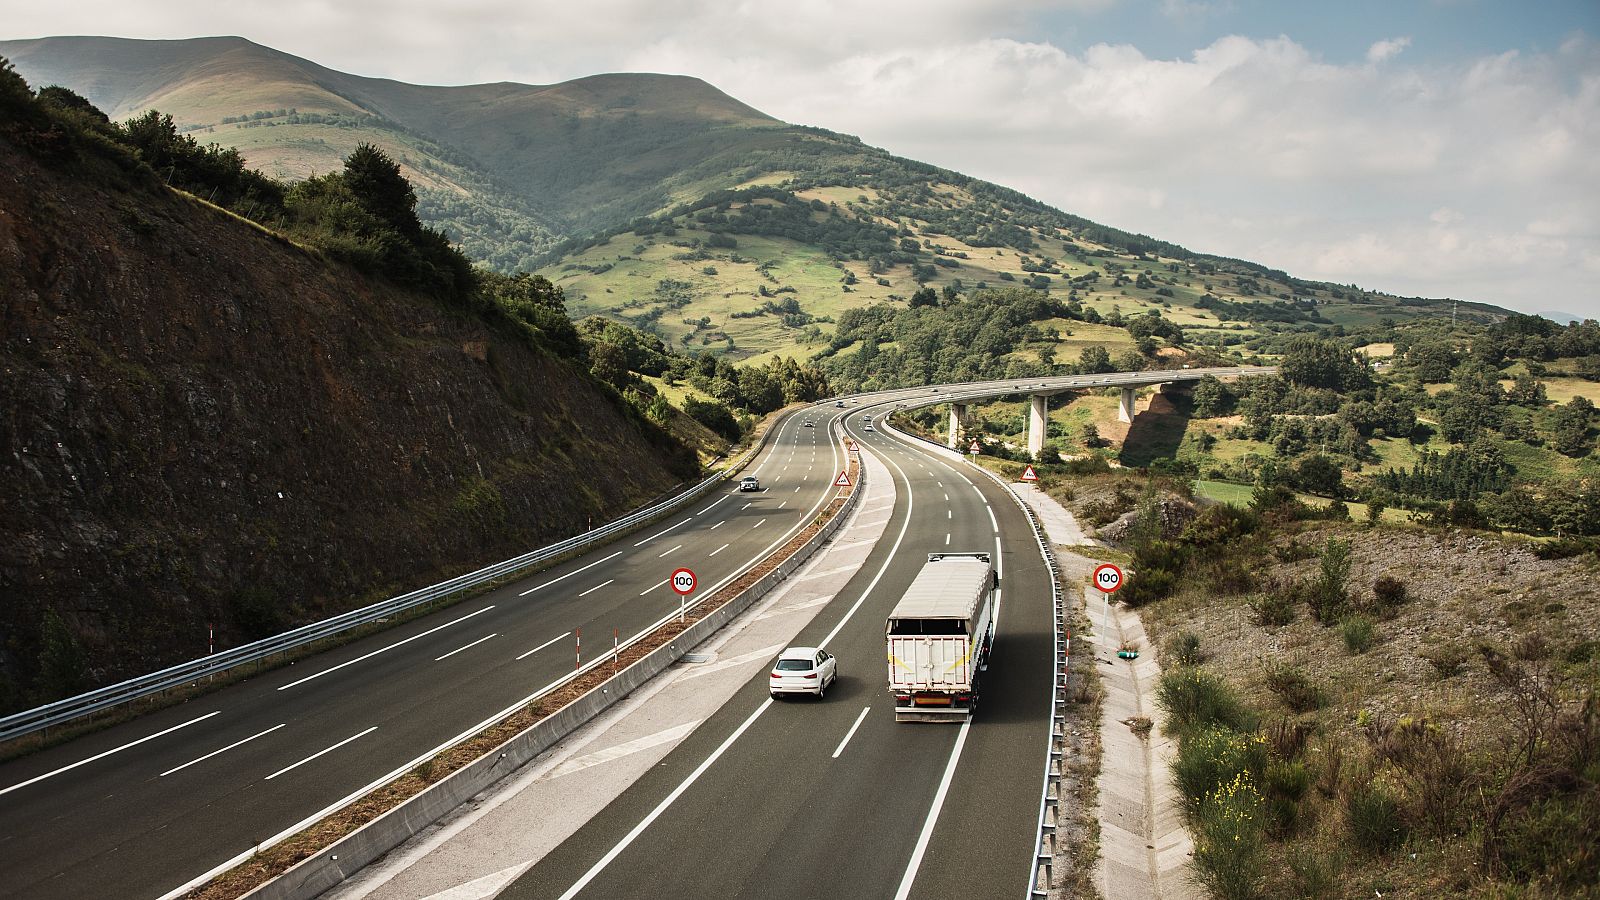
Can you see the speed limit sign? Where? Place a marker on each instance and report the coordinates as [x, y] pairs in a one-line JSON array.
[[683, 581], [1107, 578]]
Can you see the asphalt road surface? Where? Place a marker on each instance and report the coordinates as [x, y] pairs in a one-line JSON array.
[[833, 798], [140, 809]]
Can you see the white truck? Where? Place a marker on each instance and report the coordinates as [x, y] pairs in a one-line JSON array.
[[939, 637]]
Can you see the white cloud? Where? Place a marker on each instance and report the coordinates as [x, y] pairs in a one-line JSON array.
[[1470, 179], [1383, 51]]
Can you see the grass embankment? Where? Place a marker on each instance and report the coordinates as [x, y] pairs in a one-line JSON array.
[[1405, 711]]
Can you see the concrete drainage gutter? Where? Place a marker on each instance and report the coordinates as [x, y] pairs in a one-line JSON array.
[[316, 874]]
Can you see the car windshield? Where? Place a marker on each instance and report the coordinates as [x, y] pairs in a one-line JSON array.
[[794, 665]]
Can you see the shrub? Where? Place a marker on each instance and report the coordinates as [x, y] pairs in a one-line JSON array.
[[1293, 687], [1446, 658], [1374, 817], [1194, 699], [1328, 595], [1275, 608], [1284, 784], [1390, 592], [1183, 649], [1358, 634], [1228, 840], [1313, 873], [1213, 757]]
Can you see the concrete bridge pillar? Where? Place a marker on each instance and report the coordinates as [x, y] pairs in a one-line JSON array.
[[958, 415], [1038, 415], [1125, 408]]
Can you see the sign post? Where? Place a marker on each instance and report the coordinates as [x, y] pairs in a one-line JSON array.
[[683, 583], [1108, 578]]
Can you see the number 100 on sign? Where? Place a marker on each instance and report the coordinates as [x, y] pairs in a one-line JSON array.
[[1107, 578]]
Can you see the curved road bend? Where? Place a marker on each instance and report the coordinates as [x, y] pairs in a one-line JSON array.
[[835, 799], [142, 808]]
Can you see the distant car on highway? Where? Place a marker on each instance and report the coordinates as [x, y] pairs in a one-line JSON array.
[[839, 403], [803, 670], [749, 483], [868, 427], [808, 424]]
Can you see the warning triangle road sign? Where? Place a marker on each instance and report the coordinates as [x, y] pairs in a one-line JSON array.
[[1029, 474], [974, 448], [843, 480]]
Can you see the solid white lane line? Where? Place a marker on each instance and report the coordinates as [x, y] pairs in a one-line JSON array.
[[662, 531], [467, 647], [553, 640], [665, 552], [718, 550], [597, 587], [84, 762], [321, 752], [713, 505], [933, 814], [384, 649], [852, 732], [992, 520], [223, 750], [570, 574], [671, 798], [719, 524], [627, 748]]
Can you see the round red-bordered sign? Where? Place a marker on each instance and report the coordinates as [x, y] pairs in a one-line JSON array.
[[682, 581], [1107, 578]]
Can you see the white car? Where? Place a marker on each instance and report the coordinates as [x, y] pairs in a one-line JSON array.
[[803, 670], [809, 425], [868, 427], [749, 483]]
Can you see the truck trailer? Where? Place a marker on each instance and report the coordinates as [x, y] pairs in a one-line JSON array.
[[939, 637]]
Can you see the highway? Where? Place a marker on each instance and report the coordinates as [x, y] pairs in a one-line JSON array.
[[140, 809], [823, 799], [834, 798]]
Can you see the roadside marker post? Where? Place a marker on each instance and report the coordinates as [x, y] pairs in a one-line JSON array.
[[1108, 578], [577, 634], [683, 582]]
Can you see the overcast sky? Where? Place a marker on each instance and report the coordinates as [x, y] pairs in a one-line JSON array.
[[1425, 147]]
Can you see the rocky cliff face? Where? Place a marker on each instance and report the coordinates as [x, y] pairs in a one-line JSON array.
[[202, 423]]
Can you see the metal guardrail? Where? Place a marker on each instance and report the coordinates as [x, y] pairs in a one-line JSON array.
[[63, 711]]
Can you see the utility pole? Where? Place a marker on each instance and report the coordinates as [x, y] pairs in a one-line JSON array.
[[1454, 304]]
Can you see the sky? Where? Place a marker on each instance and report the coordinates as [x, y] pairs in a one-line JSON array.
[[1438, 148]]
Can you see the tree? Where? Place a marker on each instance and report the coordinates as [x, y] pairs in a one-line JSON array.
[[1317, 362], [1091, 436], [1129, 361], [1094, 360], [377, 185], [1317, 474], [1527, 391], [1212, 399], [1570, 428], [924, 297]]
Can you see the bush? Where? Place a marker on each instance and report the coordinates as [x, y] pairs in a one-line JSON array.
[[1212, 758], [1358, 634], [1272, 609], [1293, 687], [1183, 649], [1328, 595], [1285, 784], [1194, 699], [1388, 592], [1374, 817], [1446, 658], [1228, 840]]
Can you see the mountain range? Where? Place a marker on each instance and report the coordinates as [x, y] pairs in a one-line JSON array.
[[661, 201]]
